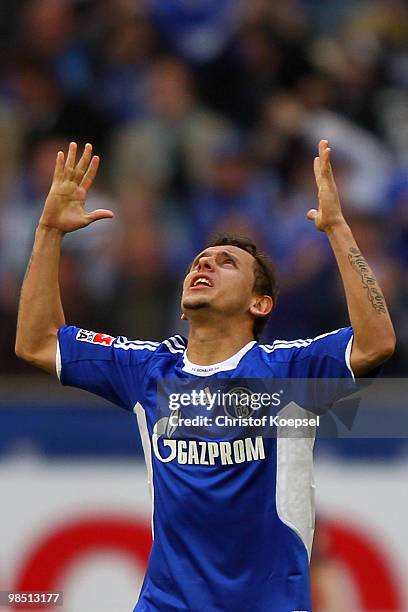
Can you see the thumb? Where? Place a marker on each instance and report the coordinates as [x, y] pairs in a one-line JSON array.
[[99, 213], [312, 214]]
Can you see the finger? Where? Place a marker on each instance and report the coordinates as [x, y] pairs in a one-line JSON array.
[[323, 144], [70, 163], [59, 166], [90, 174], [83, 163], [312, 214], [317, 170], [328, 167], [100, 213], [324, 155]]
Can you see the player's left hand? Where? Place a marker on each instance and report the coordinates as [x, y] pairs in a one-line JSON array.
[[329, 213]]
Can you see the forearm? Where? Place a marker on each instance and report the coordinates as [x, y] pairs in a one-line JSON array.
[[374, 335], [40, 312]]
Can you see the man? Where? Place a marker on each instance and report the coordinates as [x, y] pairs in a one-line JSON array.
[[233, 519]]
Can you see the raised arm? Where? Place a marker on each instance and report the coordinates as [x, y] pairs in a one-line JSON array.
[[40, 313], [374, 336]]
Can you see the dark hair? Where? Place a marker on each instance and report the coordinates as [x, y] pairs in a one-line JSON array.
[[265, 279]]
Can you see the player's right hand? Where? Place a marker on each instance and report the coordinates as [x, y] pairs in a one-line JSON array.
[[64, 208]]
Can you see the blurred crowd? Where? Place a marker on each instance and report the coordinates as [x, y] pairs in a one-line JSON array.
[[207, 116]]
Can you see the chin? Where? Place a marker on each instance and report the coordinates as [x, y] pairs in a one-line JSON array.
[[194, 304]]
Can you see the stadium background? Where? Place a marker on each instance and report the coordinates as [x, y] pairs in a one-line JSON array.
[[206, 114]]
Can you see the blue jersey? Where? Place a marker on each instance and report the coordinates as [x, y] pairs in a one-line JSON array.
[[232, 520]]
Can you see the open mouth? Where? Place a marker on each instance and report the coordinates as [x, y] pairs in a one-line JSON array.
[[200, 281]]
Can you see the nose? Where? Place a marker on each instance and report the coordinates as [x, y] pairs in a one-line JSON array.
[[205, 263]]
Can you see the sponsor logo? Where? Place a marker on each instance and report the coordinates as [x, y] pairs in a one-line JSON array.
[[198, 452], [94, 337]]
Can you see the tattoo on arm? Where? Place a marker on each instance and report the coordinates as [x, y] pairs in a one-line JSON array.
[[369, 282]]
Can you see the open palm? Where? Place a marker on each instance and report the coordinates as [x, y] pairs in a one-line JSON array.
[[329, 212], [64, 208]]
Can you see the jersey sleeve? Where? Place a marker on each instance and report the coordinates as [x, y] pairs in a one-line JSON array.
[[318, 370], [103, 364], [326, 356], [325, 361]]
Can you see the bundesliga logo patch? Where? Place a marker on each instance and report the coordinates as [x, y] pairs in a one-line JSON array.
[[94, 337]]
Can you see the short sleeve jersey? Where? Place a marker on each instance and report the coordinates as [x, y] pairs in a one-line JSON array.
[[232, 520]]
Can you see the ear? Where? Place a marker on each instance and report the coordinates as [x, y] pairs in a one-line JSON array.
[[262, 306]]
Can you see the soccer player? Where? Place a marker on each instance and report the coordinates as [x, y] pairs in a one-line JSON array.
[[232, 519]]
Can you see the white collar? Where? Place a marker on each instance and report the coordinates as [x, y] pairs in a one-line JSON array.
[[229, 364]]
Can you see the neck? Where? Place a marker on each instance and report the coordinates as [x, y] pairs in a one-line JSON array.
[[209, 344]]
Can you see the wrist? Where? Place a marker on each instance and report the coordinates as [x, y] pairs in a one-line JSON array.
[[48, 227], [43, 227], [338, 227]]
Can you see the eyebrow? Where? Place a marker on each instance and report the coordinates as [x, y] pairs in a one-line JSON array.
[[206, 253]]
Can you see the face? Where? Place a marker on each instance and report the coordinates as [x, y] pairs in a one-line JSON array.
[[221, 280]]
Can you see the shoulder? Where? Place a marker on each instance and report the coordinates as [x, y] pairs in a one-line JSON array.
[[325, 344], [82, 344], [145, 350]]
